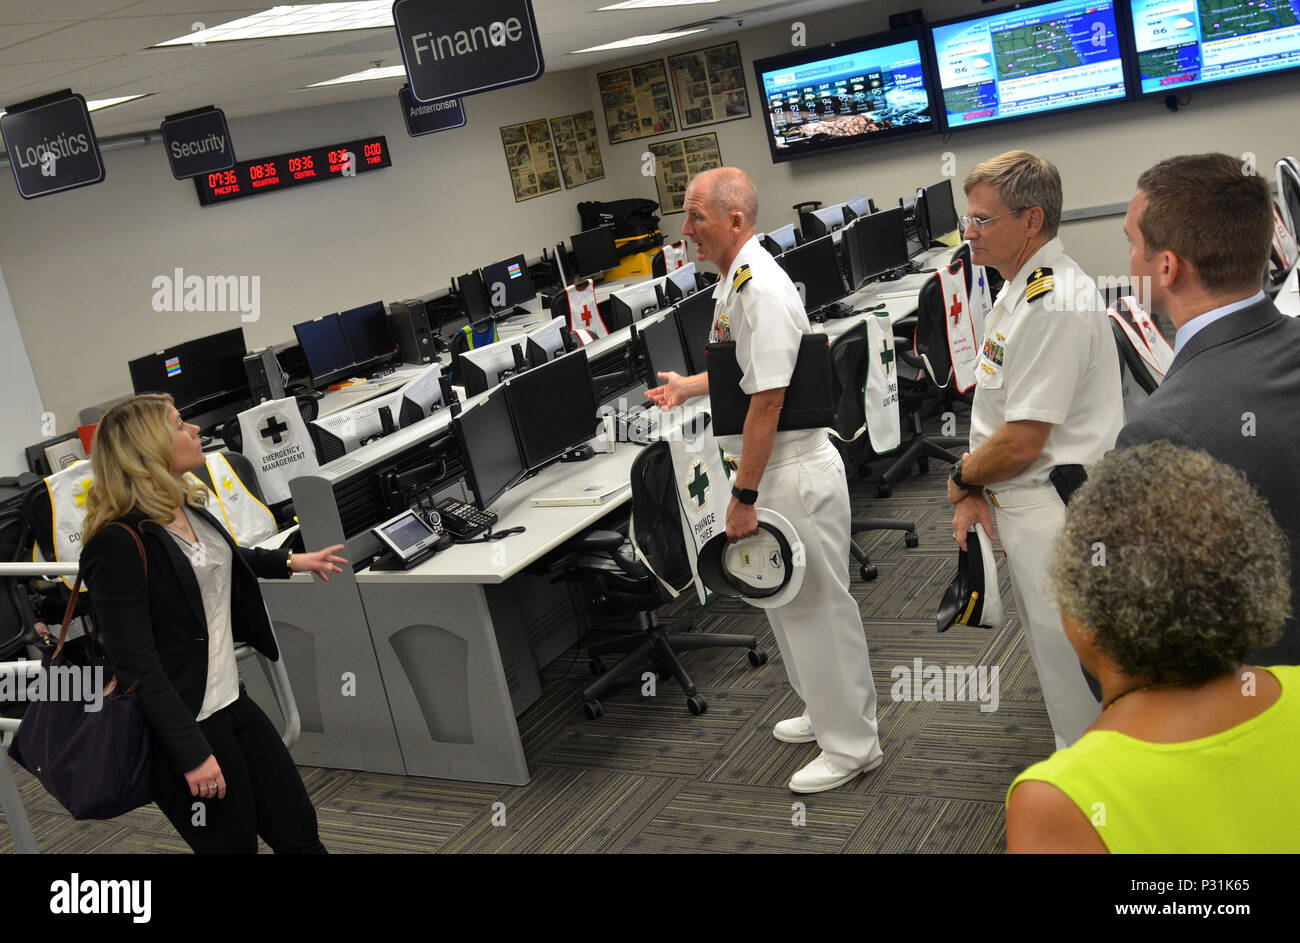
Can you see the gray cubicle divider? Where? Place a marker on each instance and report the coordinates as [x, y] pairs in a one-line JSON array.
[[328, 652], [448, 680]]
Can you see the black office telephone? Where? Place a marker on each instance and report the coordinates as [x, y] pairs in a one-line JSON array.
[[462, 520]]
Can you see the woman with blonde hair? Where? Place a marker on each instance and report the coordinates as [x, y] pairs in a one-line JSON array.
[[172, 625]]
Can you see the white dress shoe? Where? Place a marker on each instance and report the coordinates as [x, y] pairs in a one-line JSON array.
[[821, 774], [798, 730]]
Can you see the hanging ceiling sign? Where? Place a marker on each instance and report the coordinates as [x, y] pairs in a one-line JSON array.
[[428, 117], [198, 142], [462, 49], [51, 145]]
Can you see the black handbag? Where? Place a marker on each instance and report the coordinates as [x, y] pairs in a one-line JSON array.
[[96, 763]]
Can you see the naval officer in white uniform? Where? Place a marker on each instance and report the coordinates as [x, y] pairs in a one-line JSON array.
[[1047, 396], [797, 474]]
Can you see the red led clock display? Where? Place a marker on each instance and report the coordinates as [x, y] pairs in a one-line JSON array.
[[268, 174]]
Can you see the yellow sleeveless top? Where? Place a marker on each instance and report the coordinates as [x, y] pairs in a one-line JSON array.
[[1235, 791]]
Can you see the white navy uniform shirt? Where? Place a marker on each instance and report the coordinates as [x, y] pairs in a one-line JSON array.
[[1045, 356], [757, 306]]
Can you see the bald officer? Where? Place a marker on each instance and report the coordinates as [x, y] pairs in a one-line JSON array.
[[797, 474], [1048, 403]]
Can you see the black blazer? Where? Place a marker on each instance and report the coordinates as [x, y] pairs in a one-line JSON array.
[[1246, 362], [159, 635]]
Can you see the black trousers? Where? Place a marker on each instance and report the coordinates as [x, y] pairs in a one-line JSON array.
[[264, 793]]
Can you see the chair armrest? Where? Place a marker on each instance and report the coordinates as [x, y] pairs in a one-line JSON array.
[[597, 541]]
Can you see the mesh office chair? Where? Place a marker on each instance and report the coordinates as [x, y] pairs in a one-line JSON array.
[[625, 585], [849, 379]]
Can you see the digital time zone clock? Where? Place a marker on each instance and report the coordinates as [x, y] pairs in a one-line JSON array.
[[283, 171]]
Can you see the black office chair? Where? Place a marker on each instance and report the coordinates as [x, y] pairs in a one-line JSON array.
[[849, 378], [929, 390], [17, 618], [630, 586]]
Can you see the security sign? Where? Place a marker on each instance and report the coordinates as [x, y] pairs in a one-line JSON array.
[[197, 142], [465, 48], [51, 145]]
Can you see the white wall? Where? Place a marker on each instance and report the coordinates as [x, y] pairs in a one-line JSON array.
[[22, 419], [80, 264]]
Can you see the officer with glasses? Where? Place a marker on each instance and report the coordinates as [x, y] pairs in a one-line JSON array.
[[1048, 405]]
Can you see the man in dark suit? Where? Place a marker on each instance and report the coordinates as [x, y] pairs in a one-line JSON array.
[[1199, 230]]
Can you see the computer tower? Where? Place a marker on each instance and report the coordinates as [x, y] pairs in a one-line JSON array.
[[265, 378], [411, 328]]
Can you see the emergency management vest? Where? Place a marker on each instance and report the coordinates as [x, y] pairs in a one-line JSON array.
[[68, 490], [247, 519], [674, 255], [963, 346], [584, 315], [880, 405], [276, 442]]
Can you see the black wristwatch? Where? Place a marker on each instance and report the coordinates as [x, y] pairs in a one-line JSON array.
[[956, 477], [744, 495]]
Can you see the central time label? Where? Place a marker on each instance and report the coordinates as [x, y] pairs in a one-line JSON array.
[[267, 174]]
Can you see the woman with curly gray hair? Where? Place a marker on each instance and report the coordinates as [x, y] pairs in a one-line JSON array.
[[1169, 571]]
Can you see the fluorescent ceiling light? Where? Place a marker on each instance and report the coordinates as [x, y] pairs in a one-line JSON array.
[[385, 72], [107, 102], [642, 4], [297, 20], [646, 40]]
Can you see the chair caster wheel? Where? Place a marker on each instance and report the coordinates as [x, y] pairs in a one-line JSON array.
[[593, 710], [924, 465], [911, 539], [884, 491], [597, 665], [757, 657], [697, 704], [868, 573]]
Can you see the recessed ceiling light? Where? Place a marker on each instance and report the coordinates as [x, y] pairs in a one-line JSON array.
[[297, 20], [646, 40], [385, 72], [641, 4], [103, 103]]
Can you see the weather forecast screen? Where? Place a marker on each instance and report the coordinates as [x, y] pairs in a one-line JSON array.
[[1028, 61], [1191, 42]]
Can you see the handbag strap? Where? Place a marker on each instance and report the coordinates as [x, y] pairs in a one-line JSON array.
[[76, 587]]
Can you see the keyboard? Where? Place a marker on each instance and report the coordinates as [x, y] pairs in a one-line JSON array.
[[636, 427], [464, 520]]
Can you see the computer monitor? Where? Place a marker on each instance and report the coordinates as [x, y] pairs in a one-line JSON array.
[[876, 244], [508, 284], [325, 348], [695, 318], [661, 341], [484, 367], [553, 407], [545, 343], [594, 251], [816, 266], [631, 304], [489, 449], [369, 337], [913, 216], [219, 383], [166, 371], [940, 211], [473, 296], [822, 222], [781, 240], [421, 396], [856, 207], [680, 283], [348, 429]]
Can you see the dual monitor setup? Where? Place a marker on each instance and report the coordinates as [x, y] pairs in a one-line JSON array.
[[356, 342], [205, 377], [1020, 61], [496, 290]]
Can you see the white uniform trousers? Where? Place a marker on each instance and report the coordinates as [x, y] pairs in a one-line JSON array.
[[820, 631], [1028, 532]]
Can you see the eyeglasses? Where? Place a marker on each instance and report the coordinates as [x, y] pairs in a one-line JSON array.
[[982, 224]]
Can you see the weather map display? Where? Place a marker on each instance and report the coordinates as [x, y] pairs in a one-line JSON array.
[[829, 98], [1027, 61], [1191, 42]]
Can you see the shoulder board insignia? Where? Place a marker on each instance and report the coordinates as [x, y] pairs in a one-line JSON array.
[[1039, 284], [743, 275]]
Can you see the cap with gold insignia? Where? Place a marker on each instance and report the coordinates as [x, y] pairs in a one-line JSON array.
[[743, 275], [1039, 284]]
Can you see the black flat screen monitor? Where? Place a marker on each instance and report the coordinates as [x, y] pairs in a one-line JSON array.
[[489, 449], [594, 251], [940, 210], [484, 367], [845, 94], [816, 266], [876, 244], [219, 376], [325, 348], [662, 344], [780, 240], [368, 334], [508, 284], [855, 207], [167, 371], [680, 283], [631, 304], [473, 296], [695, 317], [554, 408], [821, 222]]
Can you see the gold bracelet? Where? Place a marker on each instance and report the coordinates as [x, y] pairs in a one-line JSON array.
[[288, 562]]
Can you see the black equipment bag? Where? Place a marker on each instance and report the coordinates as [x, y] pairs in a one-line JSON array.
[[809, 399]]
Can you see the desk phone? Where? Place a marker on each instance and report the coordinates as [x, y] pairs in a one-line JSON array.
[[464, 520], [412, 536]]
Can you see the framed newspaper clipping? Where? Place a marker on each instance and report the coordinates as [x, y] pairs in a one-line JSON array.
[[530, 157], [578, 148], [636, 101], [676, 162], [710, 85]]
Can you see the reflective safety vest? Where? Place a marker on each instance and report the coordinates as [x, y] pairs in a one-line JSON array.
[[68, 489], [247, 519]]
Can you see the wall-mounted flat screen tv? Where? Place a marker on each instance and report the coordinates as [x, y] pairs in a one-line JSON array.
[[846, 94], [1028, 60]]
